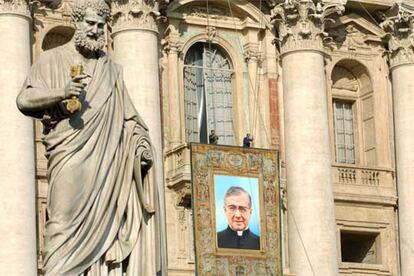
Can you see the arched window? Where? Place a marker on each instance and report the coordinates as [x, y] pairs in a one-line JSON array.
[[353, 114], [208, 94]]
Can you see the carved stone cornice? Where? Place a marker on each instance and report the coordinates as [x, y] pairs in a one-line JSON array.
[[301, 23], [135, 14], [399, 25], [18, 7]]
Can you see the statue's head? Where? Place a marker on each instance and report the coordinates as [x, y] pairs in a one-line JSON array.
[[90, 17]]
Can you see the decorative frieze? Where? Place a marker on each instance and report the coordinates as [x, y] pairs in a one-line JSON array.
[[301, 23], [399, 25], [135, 14], [18, 7], [212, 12]]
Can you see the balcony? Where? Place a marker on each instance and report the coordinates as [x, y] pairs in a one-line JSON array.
[[178, 173], [364, 184]]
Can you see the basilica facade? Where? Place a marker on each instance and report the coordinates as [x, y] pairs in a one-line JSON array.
[[329, 84]]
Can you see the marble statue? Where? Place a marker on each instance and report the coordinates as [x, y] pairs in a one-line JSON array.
[[102, 202]]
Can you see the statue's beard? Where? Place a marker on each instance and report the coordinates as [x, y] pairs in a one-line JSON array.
[[85, 43]]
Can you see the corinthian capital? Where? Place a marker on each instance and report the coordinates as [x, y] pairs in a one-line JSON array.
[[135, 14], [301, 23], [399, 25], [19, 7]]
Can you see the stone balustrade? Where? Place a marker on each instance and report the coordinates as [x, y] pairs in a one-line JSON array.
[[359, 175], [364, 184]]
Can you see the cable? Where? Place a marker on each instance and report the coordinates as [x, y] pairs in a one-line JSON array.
[[301, 240], [256, 89], [367, 12], [253, 89]]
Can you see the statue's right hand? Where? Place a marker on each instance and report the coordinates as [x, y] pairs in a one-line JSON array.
[[75, 86]]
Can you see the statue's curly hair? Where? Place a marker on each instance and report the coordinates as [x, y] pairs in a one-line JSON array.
[[79, 9]]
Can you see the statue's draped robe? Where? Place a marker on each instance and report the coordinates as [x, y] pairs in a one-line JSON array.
[[96, 224]]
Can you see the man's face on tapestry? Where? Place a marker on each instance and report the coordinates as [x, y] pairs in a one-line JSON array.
[[89, 33], [238, 211]]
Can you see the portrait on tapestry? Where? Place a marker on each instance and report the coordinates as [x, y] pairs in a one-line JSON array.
[[236, 210]]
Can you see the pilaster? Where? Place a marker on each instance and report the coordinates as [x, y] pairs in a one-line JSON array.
[[172, 46], [252, 56]]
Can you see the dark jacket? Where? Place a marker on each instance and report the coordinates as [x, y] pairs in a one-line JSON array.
[[247, 142], [229, 239]]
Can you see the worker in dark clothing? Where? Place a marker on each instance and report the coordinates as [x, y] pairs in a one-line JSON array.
[[213, 138], [247, 141]]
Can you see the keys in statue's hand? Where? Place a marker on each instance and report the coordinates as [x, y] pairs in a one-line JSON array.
[[75, 86], [72, 92]]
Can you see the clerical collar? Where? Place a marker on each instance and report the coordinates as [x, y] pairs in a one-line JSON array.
[[240, 233]]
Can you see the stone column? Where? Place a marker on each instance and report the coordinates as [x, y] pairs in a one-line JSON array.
[[399, 25], [172, 46], [311, 210], [17, 168], [135, 43]]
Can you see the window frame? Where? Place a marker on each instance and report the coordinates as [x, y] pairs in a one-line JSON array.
[[356, 97], [205, 69], [355, 129], [377, 245]]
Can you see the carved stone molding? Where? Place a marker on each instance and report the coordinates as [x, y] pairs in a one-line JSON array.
[[135, 14], [179, 174], [212, 12], [301, 23], [171, 45], [399, 25], [252, 53], [211, 33], [354, 39], [183, 195], [171, 42], [18, 7]]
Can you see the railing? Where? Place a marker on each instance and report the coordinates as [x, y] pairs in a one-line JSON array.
[[358, 175]]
